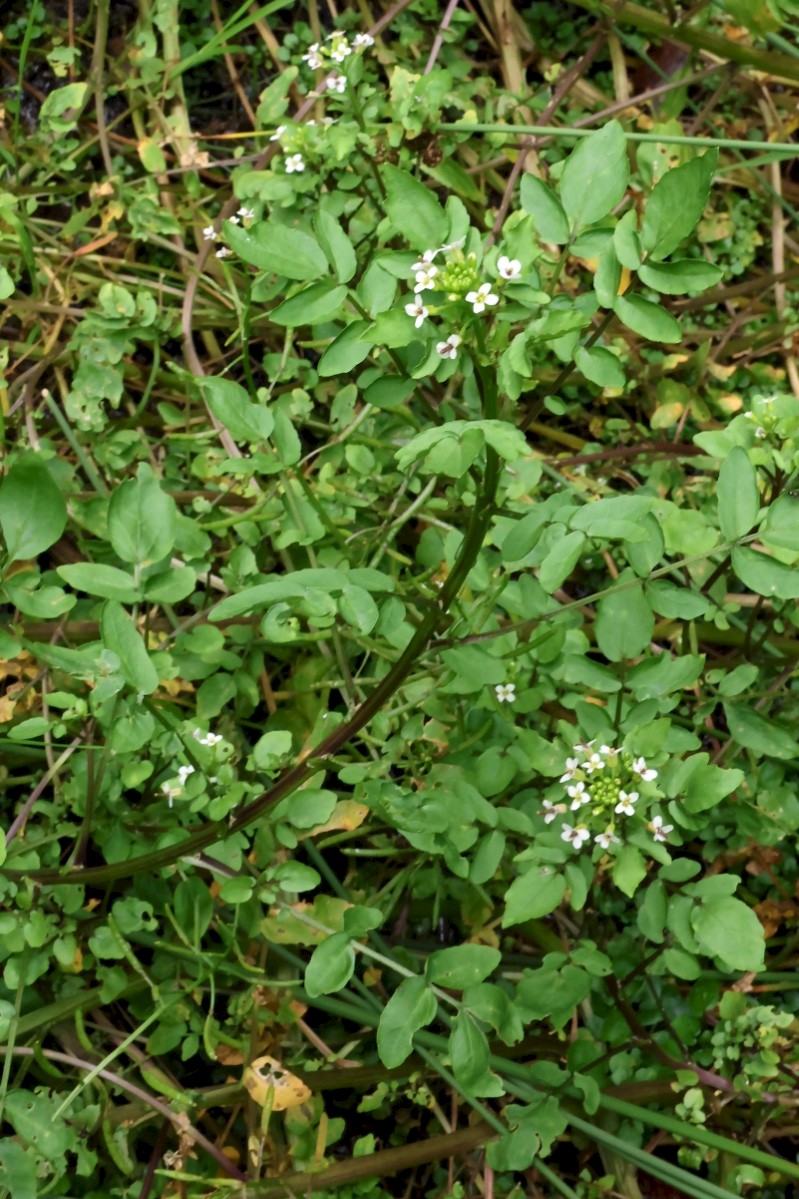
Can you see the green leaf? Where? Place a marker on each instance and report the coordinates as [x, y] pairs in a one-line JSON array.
[[629, 869], [32, 1115], [461, 966], [411, 1007], [651, 914], [17, 1164], [233, 408], [535, 893], [32, 510], [413, 209], [336, 245], [142, 519], [470, 1056], [782, 523], [97, 579], [119, 634], [599, 366], [765, 575], [389, 391], [738, 496], [315, 303], [763, 736], [7, 288], [280, 249], [561, 561], [607, 277], [624, 622], [346, 350], [647, 319], [595, 176], [496, 1008], [707, 786], [729, 930], [676, 205], [331, 966], [626, 241], [687, 275], [551, 222]]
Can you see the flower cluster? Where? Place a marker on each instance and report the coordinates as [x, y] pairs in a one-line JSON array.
[[456, 280], [336, 49], [604, 786]]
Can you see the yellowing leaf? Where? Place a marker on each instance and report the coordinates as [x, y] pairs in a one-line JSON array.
[[266, 1074], [346, 815]]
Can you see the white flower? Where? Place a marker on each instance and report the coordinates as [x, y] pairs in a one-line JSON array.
[[606, 839], [658, 829], [593, 762], [572, 766], [452, 245], [506, 692], [577, 836], [509, 268], [183, 774], [425, 279], [643, 771], [578, 795], [626, 804], [417, 310], [337, 83], [607, 751], [276, 136], [209, 739], [449, 348], [478, 299], [223, 252], [362, 41], [233, 220], [552, 810], [295, 162], [209, 233], [170, 792], [330, 120], [313, 57], [424, 261], [340, 51], [246, 214], [760, 432]]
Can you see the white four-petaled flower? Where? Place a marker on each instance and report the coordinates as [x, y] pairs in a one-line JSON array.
[[576, 836], [313, 57], [424, 260], [223, 252], [295, 162], [362, 41], [425, 278], [505, 692], [606, 839], [209, 739], [449, 348], [337, 83], [209, 233], [593, 762], [509, 268], [340, 51], [643, 771], [418, 311], [578, 795], [183, 774], [246, 214], [572, 766], [626, 804], [658, 829], [482, 297], [552, 810], [276, 136]]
